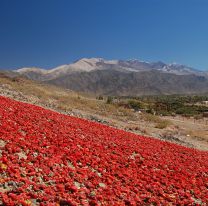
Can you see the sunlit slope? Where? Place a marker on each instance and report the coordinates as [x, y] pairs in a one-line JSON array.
[[49, 158]]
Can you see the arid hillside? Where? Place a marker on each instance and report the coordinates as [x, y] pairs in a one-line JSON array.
[[192, 133]]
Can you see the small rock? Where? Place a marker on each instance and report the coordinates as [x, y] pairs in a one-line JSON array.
[[22, 155], [2, 143], [102, 185]]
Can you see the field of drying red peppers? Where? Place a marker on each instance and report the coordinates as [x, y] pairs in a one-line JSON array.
[[47, 158]]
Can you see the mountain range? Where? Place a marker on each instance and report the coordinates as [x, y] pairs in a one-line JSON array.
[[122, 77]]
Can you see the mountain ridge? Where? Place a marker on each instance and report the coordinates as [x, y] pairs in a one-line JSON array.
[[122, 77], [89, 64]]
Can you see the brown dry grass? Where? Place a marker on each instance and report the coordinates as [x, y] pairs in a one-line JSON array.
[[199, 134], [66, 100], [159, 123]]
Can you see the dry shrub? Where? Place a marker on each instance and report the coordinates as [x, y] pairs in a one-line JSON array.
[[159, 123]]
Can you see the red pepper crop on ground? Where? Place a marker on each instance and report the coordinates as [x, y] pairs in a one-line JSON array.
[[47, 158]]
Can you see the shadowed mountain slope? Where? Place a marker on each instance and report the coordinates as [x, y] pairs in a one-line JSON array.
[[134, 83], [119, 77]]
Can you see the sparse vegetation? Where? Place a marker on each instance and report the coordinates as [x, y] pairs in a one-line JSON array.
[[168, 105], [109, 100], [135, 104], [159, 123], [63, 99], [100, 97], [162, 124]]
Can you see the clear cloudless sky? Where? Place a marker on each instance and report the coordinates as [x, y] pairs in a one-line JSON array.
[[48, 33]]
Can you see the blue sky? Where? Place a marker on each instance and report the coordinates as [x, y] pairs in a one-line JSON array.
[[47, 33]]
